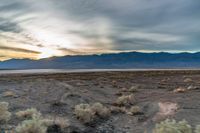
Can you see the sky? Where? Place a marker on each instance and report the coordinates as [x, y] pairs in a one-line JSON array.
[[38, 29]]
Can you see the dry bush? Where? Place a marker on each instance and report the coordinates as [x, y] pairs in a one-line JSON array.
[[28, 113], [124, 89], [171, 126], [34, 125], [188, 80], [115, 109], [197, 129], [135, 110], [87, 113], [9, 94], [134, 88], [100, 110], [62, 122], [191, 87], [114, 84], [126, 100], [4, 113], [180, 90], [84, 113]]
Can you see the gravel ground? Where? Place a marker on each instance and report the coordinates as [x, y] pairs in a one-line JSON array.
[[57, 95]]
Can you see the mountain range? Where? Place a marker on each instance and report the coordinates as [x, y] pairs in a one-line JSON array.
[[130, 60]]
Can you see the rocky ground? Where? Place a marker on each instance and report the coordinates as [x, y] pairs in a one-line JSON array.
[[160, 95]]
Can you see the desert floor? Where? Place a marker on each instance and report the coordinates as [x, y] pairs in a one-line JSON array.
[[56, 95]]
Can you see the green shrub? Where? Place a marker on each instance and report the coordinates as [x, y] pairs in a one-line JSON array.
[[171, 126]]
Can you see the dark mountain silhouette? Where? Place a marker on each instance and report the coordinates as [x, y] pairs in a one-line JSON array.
[[109, 61]]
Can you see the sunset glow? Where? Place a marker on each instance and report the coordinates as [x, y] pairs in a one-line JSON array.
[[42, 29]]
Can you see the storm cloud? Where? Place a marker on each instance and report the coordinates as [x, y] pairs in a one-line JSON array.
[[97, 26]]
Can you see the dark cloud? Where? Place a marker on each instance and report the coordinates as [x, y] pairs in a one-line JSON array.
[[7, 25]]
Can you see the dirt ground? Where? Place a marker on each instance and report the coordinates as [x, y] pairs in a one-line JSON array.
[[57, 95]]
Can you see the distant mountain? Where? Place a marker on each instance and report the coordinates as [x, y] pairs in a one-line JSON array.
[[109, 61]]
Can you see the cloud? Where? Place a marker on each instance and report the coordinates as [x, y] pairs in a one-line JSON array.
[[94, 26], [18, 50], [7, 25]]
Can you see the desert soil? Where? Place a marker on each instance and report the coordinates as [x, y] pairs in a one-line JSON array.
[[57, 94]]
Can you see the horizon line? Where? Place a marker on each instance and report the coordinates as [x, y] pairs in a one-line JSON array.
[[121, 52]]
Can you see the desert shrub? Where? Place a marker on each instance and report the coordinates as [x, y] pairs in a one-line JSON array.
[[116, 109], [134, 88], [34, 125], [28, 113], [4, 113], [197, 129], [100, 110], [84, 113], [87, 113], [180, 90], [126, 100], [9, 94], [188, 80], [135, 110], [171, 126], [61, 122]]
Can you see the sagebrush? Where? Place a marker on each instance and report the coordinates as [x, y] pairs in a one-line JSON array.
[[5, 115], [28, 113], [171, 126], [34, 125]]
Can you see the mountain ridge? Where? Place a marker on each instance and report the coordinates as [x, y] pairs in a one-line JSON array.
[[109, 61]]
